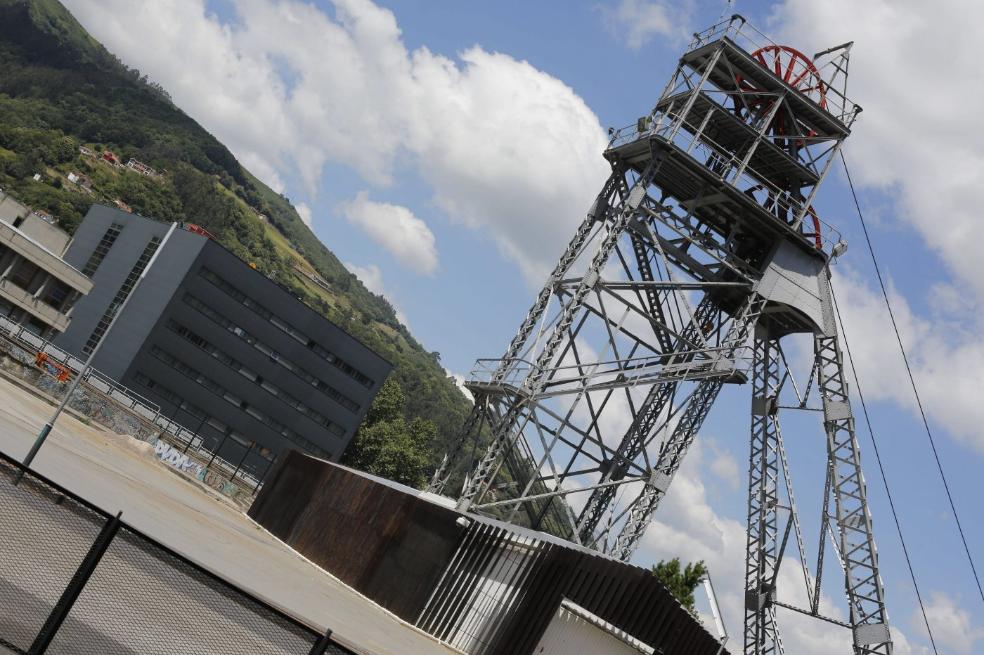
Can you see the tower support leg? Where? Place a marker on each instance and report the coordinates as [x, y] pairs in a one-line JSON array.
[[761, 635], [865, 592]]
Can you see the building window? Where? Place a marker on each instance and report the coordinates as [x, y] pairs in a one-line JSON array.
[[107, 241], [232, 399], [57, 294], [37, 326], [273, 355], [23, 273], [285, 327], [170, 396], [121, 294]]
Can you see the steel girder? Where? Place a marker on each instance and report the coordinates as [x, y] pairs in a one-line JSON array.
[[700, 197], [849, 527], [856, 541], [761, 549], [594, 218], [504, 438], [673, 450]]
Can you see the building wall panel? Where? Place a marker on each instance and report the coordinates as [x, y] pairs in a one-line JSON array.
[[383, 542], [569, 634]]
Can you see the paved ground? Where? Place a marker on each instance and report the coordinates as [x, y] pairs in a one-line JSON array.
[[101, 468]]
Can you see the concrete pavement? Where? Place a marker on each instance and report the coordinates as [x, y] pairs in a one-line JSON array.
[[110, 472]]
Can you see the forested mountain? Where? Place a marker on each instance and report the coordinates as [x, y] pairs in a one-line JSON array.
[[65, 100]]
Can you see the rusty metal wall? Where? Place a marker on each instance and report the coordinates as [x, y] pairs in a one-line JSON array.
[[384, 542]]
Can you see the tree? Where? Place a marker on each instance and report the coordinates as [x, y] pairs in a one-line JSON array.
[[387, 445], [681, 583]]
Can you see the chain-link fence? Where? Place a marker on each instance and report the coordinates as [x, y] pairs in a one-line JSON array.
[[74, 579]]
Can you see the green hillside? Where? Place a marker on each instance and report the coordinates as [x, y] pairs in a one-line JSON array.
[[60, 91]]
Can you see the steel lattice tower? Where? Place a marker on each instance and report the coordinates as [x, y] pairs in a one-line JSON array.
[[699, 255]]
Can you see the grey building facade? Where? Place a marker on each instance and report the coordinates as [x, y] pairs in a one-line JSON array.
[[222, 349]]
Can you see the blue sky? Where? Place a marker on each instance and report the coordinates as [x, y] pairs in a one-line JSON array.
[[445, 150]]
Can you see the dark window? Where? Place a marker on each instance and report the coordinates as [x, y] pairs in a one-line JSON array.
[[107, 241], [57, 294], [287, 328], [275, 425], [37, 326], [23, 273], [273, 355], [121, 294]]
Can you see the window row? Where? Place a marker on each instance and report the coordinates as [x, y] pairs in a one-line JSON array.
[[107, 241], [289, 329], [273, 355], [233, 399], [121, 295], [175, 399], [251, 375]]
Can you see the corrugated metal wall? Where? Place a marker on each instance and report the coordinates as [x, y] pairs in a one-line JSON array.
[[626, 596]]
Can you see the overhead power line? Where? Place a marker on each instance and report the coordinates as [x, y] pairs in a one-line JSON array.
[[881, 469], [912, 380]]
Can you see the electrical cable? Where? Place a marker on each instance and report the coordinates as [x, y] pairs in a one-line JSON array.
[[881, 469], [912, 380]]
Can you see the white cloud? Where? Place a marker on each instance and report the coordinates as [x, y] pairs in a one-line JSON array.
[[505, 147], [372, 278], [305, 213], [508, 149], [952, 625], [459, 381], [946, 361], [725, 466], [639, 21], [396, 229], [908, 141]]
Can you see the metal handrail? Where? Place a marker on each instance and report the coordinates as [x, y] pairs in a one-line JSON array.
[[746, 36], [748, 178]]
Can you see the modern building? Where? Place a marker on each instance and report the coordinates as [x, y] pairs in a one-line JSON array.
[[222, 349], [481, 585], [38, 289]]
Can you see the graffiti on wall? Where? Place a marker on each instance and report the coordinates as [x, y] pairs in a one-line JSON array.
[[177, 459]]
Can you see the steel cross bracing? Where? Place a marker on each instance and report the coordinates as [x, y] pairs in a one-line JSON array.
[[703, 239], [761, 554]]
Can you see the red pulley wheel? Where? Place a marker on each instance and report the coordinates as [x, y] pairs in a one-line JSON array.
[[795, 69]]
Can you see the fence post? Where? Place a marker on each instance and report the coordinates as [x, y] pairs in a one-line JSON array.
[[240, 464], [321, 646], [64, 605]]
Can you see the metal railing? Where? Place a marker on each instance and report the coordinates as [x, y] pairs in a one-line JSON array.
[[187, 441], [729, 167], [744, 35], [573, 378], [76, 579]]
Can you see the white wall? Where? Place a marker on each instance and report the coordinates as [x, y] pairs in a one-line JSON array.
[[569, 634]]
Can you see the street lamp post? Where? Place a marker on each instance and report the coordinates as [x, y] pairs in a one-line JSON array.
[[46, 430]]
